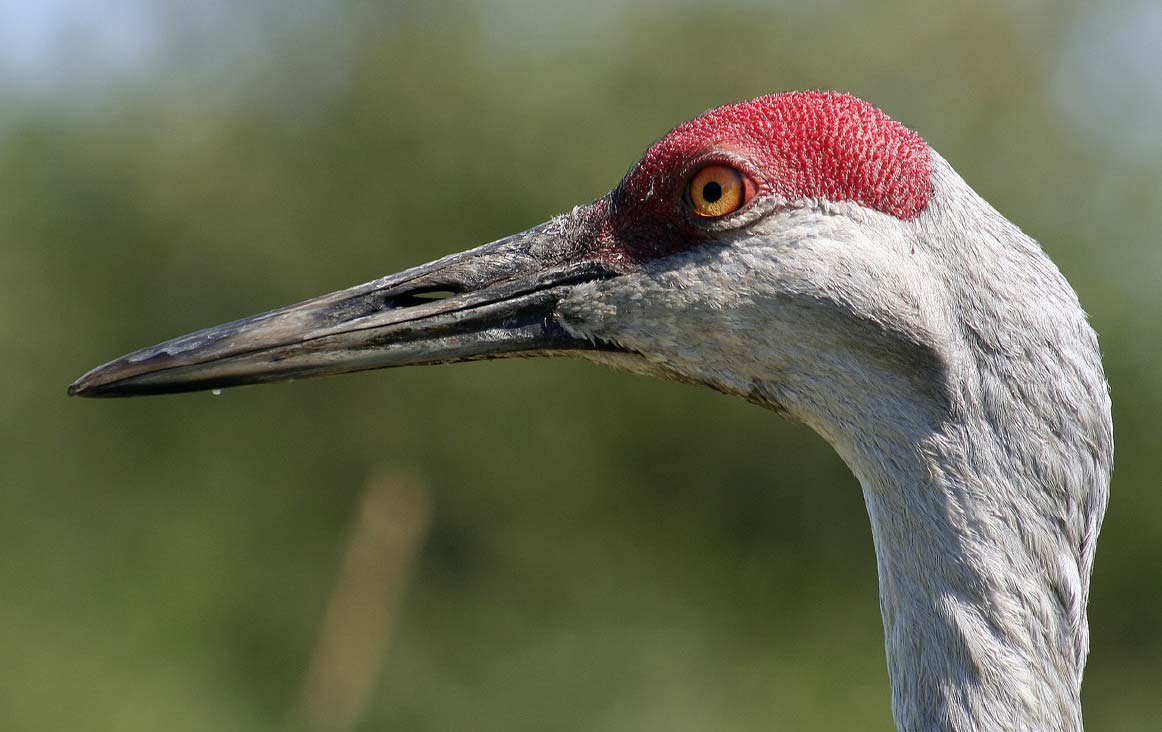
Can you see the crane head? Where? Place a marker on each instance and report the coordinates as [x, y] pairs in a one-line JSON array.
[[790, 250]]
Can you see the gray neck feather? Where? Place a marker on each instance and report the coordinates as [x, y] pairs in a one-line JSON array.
[[981, 596], [986, 508]]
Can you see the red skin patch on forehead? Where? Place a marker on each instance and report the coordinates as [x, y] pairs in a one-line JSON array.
[[800, 145]]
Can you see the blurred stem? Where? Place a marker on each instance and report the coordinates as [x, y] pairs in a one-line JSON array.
[[353, 641]]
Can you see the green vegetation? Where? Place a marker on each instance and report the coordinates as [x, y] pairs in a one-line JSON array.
[[605, 552]]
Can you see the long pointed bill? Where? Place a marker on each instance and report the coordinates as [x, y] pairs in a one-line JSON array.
[[494, 301]]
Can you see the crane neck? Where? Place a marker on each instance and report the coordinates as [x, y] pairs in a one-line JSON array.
[[981, 594], [985, 460]]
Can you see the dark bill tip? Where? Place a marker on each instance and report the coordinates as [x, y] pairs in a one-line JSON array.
[[495, 301]]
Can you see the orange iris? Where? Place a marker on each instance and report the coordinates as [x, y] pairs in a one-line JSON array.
[[717, 190]]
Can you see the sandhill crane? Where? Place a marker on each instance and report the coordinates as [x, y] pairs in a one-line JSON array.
[[804, 252]]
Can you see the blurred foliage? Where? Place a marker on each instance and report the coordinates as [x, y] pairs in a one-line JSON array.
[[607, 552]]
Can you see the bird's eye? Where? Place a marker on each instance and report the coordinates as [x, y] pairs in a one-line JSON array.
[[717, 190]]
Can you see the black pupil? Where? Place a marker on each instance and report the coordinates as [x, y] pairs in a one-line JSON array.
[[711, 192]]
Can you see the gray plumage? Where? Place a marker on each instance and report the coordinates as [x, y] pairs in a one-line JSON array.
[[950, 365], [943, 356]]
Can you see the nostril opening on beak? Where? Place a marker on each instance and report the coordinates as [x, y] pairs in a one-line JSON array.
[[421, 296]]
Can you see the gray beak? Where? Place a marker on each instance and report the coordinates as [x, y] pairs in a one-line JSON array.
[[494, 301]]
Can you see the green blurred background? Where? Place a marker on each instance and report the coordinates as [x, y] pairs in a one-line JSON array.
[[603, 552]]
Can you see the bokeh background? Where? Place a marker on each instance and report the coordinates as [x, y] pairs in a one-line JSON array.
[[497, 546]]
